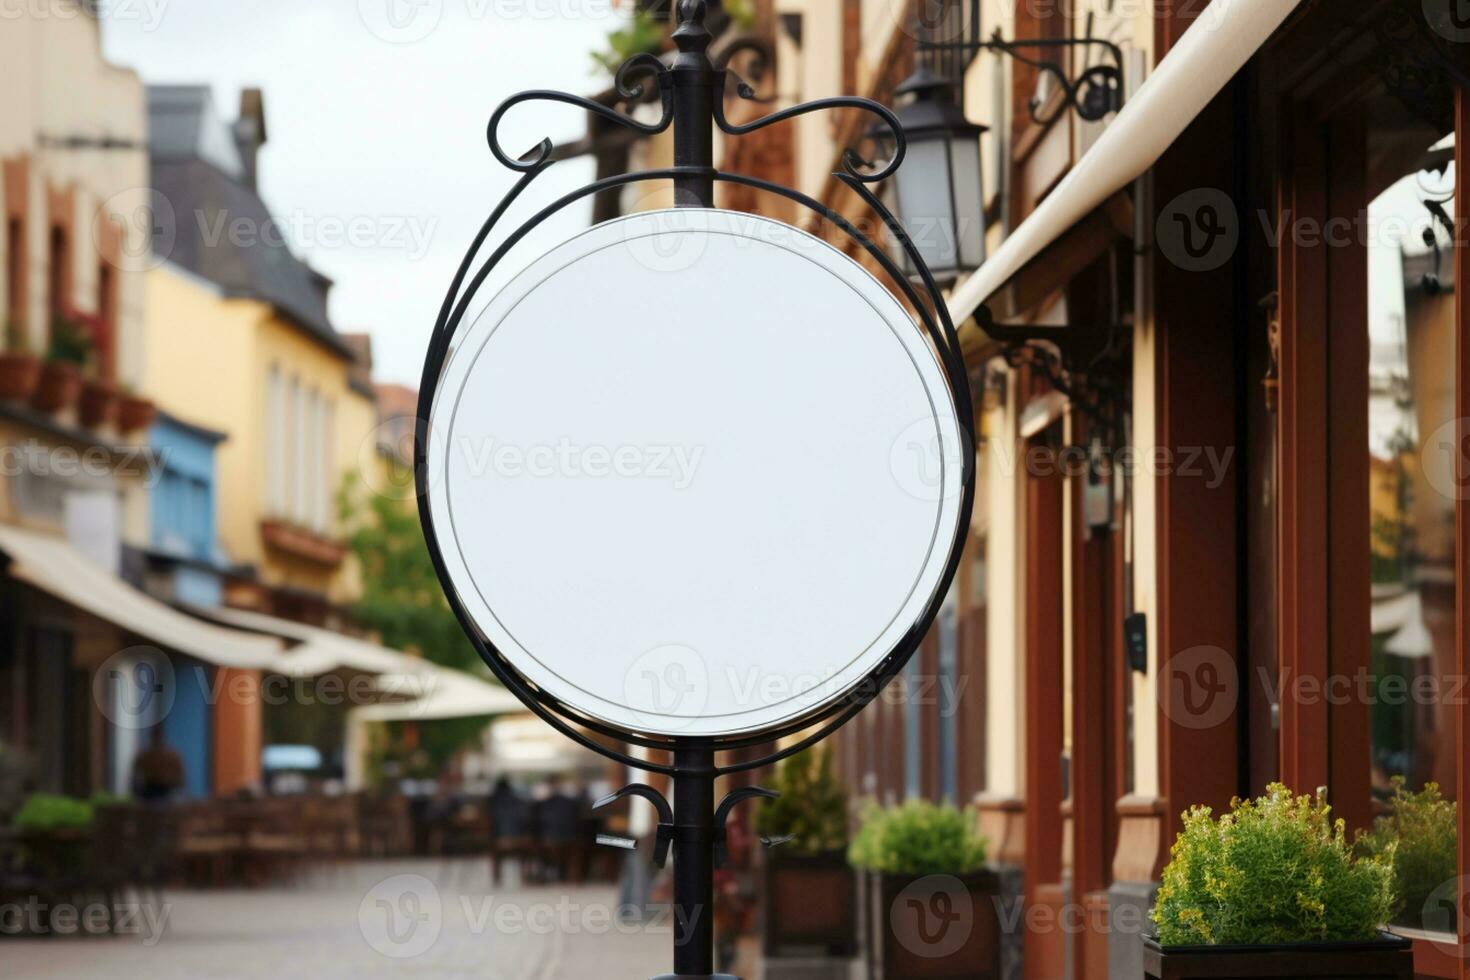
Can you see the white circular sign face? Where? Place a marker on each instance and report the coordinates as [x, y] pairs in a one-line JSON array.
[[694, 472]]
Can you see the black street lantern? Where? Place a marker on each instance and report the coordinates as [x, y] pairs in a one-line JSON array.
[[940, 203]]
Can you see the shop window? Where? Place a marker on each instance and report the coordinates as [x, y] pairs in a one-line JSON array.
[[56, 271], [1412, 454], [14, 279], [105, 340], [277, 447]]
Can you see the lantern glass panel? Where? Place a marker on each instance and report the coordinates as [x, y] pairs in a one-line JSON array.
[[926, 203], [969, 199]]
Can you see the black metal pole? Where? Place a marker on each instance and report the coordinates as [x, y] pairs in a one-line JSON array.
[[694, 80], [694, 860], [694, 759]]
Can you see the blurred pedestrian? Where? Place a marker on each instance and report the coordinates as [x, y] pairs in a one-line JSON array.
[[510, 828], [560, 826], [158, 771]]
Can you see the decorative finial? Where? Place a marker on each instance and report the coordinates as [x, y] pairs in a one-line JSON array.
[[691, 35]]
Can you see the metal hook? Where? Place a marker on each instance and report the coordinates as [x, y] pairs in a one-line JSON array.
[[722, 815], [665, 820]]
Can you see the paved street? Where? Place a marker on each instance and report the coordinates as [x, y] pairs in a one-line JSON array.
[[423, 920]]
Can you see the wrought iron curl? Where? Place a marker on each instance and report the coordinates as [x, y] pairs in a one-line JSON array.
[[760, 64], [852, 162], [627, 89]]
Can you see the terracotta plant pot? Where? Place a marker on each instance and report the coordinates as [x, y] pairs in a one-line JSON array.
[[19, 375], [935, 925], [1388, 957], [59, 386], [134, 413], [810, 905], [99, 403]]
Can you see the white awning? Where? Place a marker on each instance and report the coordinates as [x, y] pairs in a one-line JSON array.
[[314, 650], [445, 693], [412, 687], [55, 567], [1216, 46]]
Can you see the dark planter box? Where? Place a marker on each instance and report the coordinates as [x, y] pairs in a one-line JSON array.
[[59, 385], [1388, 957], [933, 926], [19, 375], [810, 905]]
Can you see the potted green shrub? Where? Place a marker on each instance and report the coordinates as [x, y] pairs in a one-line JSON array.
[[61, 375], [54, 831], [20, 370], [809, 897], [1418, 838], [1273, 889], [931, 902]]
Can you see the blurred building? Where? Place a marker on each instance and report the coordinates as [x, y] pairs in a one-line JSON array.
[[293, 398], [239, 342], [82, 662]]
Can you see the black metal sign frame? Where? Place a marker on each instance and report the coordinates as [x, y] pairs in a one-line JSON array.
[[692, 92]]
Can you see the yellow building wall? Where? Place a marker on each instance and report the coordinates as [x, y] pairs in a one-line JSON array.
[[209, 363], [286, 346], [196, 339]]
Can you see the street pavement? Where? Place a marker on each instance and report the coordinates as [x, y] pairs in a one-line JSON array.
[[391, 919]]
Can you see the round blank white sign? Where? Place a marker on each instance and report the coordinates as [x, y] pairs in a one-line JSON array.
[[694, 472]]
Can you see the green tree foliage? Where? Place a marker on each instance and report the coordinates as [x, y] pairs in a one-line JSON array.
[[812, 807], [644, 34], [1277, 869], [1418, 837], [918, 838], [403, 603]]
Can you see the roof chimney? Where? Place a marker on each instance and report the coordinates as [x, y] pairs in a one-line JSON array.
[[249, 131]]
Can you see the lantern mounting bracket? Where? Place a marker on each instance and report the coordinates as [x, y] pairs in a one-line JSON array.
[[1097, 91]]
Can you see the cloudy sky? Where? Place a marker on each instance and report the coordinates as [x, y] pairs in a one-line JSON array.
[[376, 163]]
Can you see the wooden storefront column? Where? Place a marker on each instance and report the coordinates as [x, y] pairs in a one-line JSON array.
[[1045, 606], [1197, 330], [1302, 465], [1095, 787], [1462, 511]]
